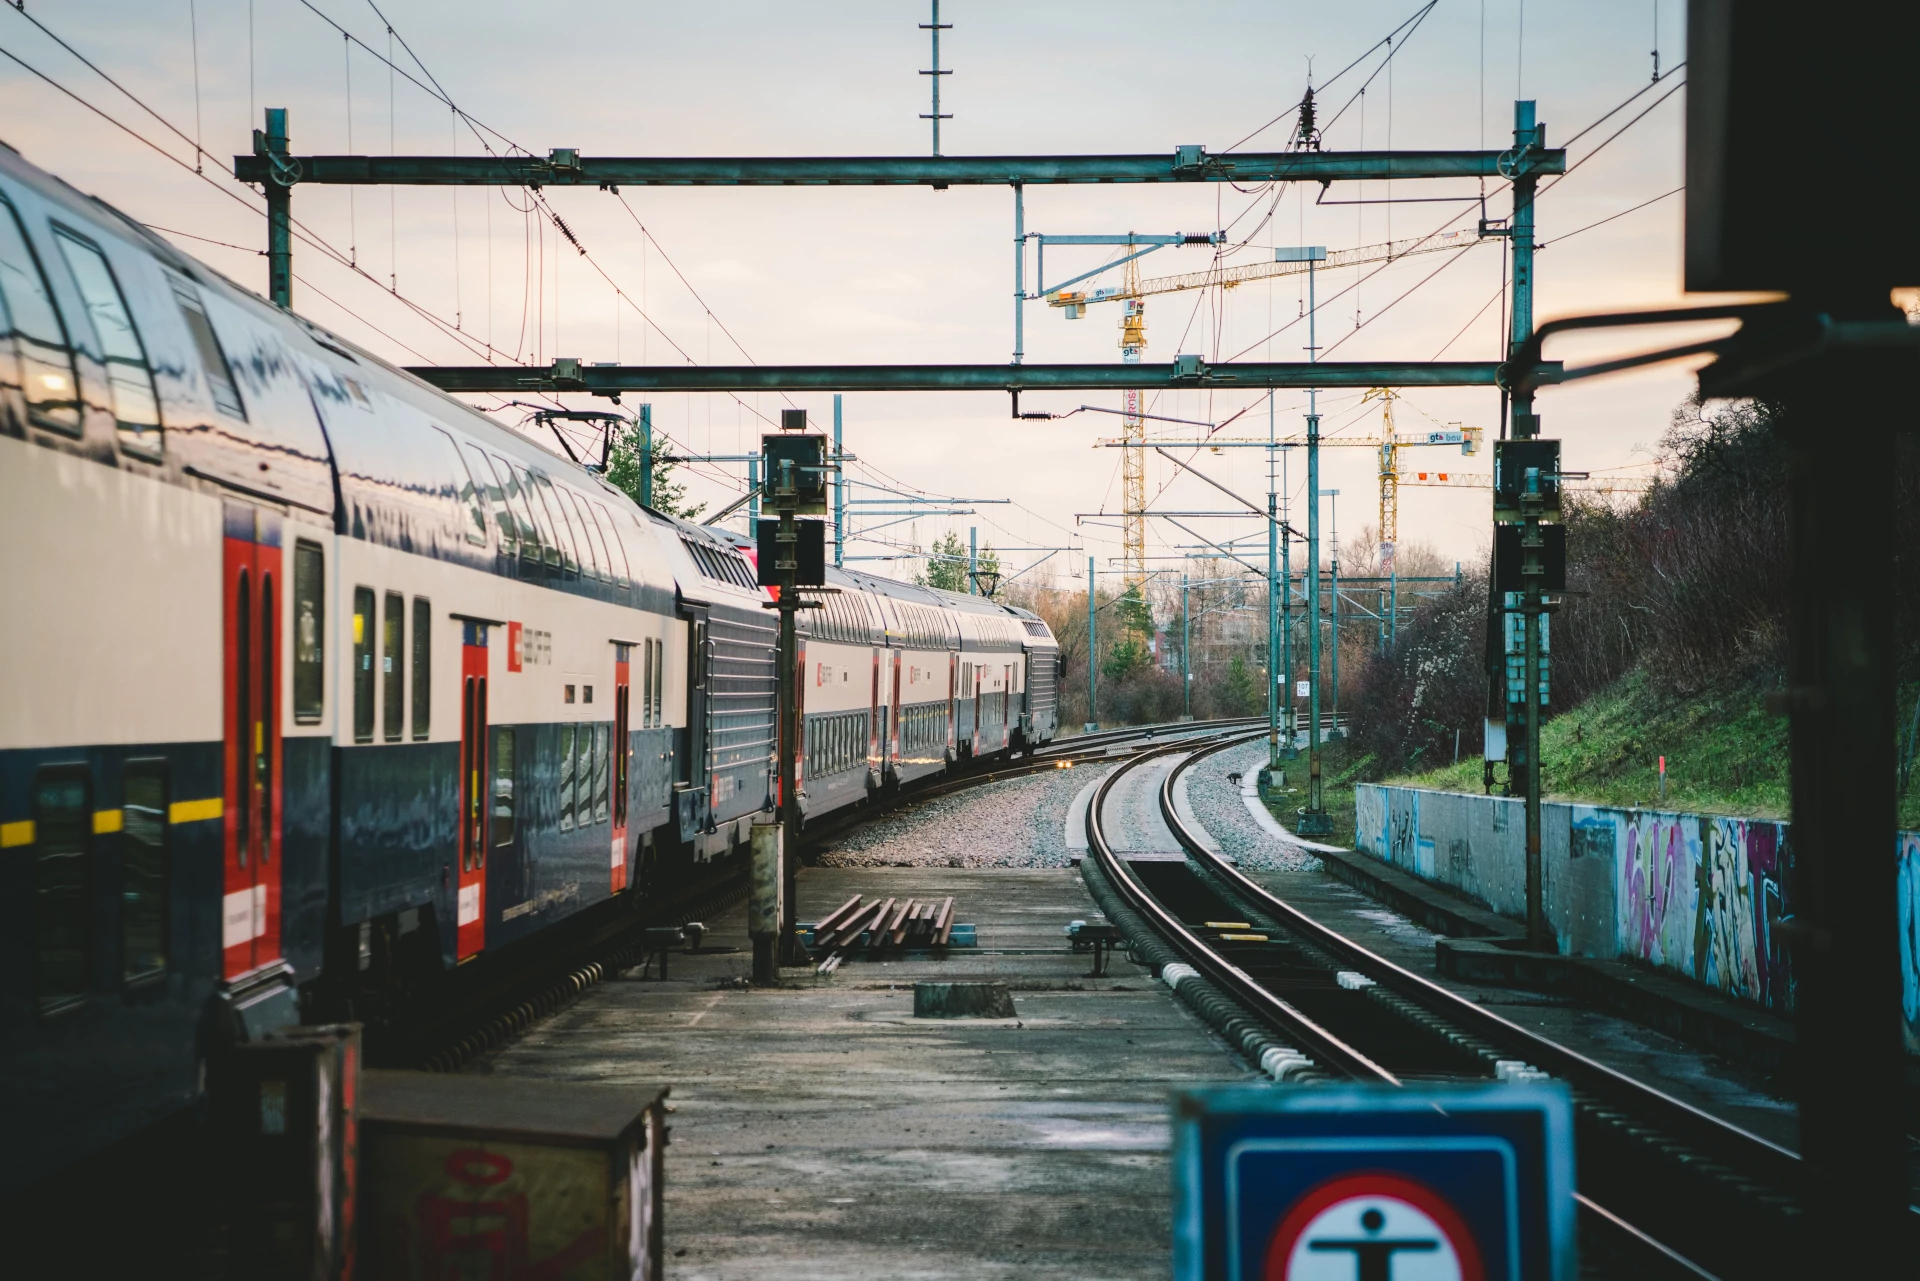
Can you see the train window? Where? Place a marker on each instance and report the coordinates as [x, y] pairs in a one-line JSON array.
[[583, 775], [469, 493], [547, 547], [363, 664], [489, 484], [393, 669], [602, 770], [659, 680], [213, 361], [561, 551], [646, 687], [62, 819], [422, 666], [566, 778], [616, 550], [309, 636], [510, 480], [500, 822], [143, 869], [590, 534], [592, 556], [136, 406], [49, 383]]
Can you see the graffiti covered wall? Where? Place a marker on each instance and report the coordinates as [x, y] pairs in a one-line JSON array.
[[1700, 895]]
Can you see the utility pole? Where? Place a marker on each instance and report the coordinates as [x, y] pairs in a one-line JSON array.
[[839, 491], [271, 143], [1313, 819], [1528, 136], [1333, 604], [646, 455], [1186, 650], [936, 27], [973, 560], [753, 493], [1289, 752], [1093, 715], [1273, 602]]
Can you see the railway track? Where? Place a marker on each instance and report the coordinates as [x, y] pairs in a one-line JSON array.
[[505, 995], [1666, 1189]]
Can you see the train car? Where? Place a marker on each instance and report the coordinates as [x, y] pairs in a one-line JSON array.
[[322, 686]]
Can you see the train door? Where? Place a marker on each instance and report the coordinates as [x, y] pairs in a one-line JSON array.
[[471, 900], [1006, 704], [622, 758], [875, 729], [250, 902], [953, 710], [898, 709], [975, 672]]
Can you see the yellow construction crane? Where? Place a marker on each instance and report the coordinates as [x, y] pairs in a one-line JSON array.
[[1133, 462], [1133, 341], [1074, 302]]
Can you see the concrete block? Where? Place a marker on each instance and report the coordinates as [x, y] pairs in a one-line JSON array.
[[962, 1001]]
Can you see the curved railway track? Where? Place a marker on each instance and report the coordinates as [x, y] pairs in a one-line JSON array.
[[1666, 1189]]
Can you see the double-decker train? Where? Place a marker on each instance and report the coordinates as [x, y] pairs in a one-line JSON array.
[[317, 684]]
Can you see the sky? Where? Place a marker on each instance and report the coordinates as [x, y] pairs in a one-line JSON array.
[[862, 276]]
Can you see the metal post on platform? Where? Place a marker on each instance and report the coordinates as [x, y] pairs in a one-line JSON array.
[[1093, 658], [271, 143]]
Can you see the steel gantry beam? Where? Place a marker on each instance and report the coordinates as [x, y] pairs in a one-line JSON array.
[[566, 167], [612, 380]]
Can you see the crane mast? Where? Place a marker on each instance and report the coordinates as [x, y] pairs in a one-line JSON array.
[[1133, 340]]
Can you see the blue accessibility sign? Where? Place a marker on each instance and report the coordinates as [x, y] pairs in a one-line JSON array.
[[1463, 1182]]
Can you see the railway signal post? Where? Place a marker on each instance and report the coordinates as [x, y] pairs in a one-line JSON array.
[[792, 556]]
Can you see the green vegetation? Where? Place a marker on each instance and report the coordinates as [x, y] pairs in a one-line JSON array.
[[624, 468], [1342, 765], [1726, 754], [947, 565]]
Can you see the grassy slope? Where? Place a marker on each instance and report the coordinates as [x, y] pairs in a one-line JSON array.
[[1725, 753]]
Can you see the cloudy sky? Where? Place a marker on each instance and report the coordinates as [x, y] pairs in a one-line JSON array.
[[880, 276]]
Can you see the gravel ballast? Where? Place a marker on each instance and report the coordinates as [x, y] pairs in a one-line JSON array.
[[1018, 823], [1221, 810]]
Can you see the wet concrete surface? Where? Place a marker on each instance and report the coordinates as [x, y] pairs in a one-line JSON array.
[[821, 1131]]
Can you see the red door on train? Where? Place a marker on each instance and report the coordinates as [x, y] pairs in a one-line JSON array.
[[250, 873], [470, 902], [622, 757]]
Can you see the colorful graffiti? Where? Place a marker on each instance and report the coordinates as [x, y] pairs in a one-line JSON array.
[[1910, 936], [1705, 896], [1656, 893]]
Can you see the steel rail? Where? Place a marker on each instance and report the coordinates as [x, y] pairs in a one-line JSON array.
[[1781, 1165], [1583, 1073], [1327, 1049]]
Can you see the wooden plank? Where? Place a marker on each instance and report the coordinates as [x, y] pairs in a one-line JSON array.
[[832, 920], [945, 924], [898, 926]]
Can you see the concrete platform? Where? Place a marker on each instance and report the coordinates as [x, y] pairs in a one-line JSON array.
[[824, 1132]]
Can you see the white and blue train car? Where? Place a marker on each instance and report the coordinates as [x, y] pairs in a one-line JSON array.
[[320, 686]]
